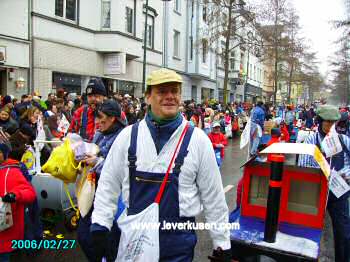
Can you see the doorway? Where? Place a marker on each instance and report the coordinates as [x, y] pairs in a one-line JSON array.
[[3, 81]]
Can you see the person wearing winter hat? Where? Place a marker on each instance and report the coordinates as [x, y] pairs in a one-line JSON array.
[[16, 191], [343, 126], [338, 208], [6, 100], [110, 125], [275, 136], [83, 121]]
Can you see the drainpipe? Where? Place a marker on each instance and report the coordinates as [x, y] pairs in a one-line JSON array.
[[197, 35], [187, 34], [31, 47], [165, 33]]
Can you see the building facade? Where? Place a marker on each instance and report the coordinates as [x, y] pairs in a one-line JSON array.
[[55, 44], [15, 45]]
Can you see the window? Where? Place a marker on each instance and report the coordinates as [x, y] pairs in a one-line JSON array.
[[177, 5], [205, 50], [223, 45], [59, 8], [192, 9], [66, 9], [129, 19], [106, 14], [176, 44], [150, 31], [232, 60], [191, 48], [254, 73], [194, 93], [204, 13], [234, 27]]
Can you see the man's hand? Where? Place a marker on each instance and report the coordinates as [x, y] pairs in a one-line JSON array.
[[9, 198], [219, 145], [100, 243], [346, 177], [220, 255], [90, 160]]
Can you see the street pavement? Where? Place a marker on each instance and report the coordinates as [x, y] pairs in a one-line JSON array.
[[231, 174]]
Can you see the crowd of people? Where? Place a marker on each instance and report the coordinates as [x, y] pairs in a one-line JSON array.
[[137, 139]]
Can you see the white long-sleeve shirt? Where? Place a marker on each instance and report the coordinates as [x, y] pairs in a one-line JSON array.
[[199, 180]]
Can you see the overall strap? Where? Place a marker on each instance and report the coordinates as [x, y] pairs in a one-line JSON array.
[[84, 121], [345, 149], [183, 151], [133, 146], [162, 186]]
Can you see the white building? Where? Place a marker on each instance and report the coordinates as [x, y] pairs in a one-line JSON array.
[[75, 40], [14, 47], [66, 42]]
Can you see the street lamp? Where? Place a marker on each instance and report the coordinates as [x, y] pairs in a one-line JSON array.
[[145, 48]]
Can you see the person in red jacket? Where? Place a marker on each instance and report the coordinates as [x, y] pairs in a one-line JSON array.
[[275, 136], [284, 132], [14, 189], [83, 121], [218, 140]]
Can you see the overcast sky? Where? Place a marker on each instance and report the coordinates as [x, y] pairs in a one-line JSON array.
[[315, 18]]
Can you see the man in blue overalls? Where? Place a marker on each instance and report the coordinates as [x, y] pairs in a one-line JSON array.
[[338, 208], [136, 166]]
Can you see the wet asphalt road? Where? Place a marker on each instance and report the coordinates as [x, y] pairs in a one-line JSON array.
[[231, 173]]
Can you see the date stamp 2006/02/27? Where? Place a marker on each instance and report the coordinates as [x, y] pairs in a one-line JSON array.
[[43, 244]]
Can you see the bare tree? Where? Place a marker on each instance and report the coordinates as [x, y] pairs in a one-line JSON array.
[[221, 19], [341, 69], [272, 31]]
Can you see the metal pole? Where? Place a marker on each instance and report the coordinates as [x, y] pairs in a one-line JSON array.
[[144, 52], [245, 87], [274, 197]]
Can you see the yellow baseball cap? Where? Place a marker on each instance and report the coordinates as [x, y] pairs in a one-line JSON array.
[[162, 76]]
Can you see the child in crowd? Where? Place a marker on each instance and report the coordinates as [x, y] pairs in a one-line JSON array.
[[219, 142]]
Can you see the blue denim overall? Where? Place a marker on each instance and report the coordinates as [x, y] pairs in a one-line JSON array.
[[338, 209], [175, 245]]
